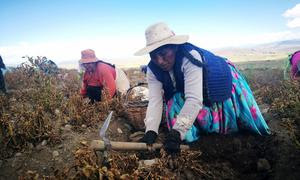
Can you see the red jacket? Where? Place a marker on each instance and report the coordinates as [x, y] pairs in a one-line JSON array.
[[103, 76]]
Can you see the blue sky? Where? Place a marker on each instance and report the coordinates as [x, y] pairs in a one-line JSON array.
[[60, 29]]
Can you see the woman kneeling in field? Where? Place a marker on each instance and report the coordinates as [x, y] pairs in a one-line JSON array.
[[204, 93]]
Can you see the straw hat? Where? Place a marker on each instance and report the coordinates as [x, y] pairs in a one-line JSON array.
[[88, 56], [160, 34]]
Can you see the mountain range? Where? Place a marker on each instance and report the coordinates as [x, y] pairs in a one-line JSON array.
[[269, 51]]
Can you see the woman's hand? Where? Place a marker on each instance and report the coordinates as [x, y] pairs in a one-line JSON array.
[[172, 142], [149, 138]]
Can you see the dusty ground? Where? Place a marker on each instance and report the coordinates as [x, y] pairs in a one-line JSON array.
[[236, 156], [239, 156]]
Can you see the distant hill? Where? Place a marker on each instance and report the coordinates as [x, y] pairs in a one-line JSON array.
[[269, 51], [262, 52]]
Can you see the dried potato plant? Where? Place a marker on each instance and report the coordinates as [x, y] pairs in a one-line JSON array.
[[284, 100], [125, 165], [38, 104], [283, 97], [28, 113]]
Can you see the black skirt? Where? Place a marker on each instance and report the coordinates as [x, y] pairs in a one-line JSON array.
[[2, 82], [94, 93]]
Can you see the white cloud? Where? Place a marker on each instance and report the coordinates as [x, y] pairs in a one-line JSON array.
[[294, 23], [293, 12], [293, 16]]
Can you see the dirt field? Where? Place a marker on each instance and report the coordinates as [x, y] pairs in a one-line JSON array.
[[54, 143]]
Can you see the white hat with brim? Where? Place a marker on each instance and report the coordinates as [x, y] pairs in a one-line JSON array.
[[158, 35]]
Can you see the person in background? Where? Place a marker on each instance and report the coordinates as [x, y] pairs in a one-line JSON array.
[[204, 93], [2, 82], [99, 75], [294, 61], [143, 69], [49, 67]]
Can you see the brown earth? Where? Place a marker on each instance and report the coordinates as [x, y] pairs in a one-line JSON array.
[[236, 156]]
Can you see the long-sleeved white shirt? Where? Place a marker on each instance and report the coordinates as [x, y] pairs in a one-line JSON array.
[[193, 88]]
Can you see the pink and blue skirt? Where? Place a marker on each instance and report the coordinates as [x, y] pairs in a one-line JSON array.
[[240, 112]]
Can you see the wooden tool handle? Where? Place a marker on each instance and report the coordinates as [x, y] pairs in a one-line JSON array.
[[134, 146]]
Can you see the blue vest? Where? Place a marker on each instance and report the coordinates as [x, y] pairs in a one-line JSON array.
[[217, 78]]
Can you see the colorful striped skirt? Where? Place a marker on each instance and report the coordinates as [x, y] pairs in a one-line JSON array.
[[240, 112]]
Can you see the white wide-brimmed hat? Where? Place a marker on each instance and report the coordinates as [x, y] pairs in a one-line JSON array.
[[160, 34]]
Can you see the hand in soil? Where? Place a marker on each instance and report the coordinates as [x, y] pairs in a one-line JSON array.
[[149, 138], [172, 143]]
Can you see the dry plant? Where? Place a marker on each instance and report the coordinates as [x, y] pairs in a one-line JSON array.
[[124, 165], [284, 98], [38, 104]]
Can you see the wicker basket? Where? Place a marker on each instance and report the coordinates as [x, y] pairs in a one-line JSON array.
[[136, 109]]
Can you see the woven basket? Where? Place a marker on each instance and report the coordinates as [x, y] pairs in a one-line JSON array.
[[136, 109]]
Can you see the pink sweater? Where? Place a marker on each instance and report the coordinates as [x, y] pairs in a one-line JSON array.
[[104, 76], [295, 60]]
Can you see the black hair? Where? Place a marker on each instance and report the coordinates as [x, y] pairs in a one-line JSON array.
[[169, 46]]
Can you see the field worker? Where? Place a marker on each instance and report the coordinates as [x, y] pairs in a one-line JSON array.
[[49, 67], [99, 75], [204, 93], [2, 82], [143, 69], [295, 65]]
